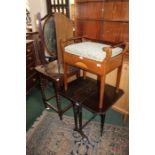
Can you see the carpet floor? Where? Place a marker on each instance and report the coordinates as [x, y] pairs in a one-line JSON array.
[[51, 136], [35, 106]]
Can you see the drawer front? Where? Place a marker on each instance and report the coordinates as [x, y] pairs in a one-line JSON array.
[[29, 48], [30, 59], [84, 63], [31, 82], [30, 69]]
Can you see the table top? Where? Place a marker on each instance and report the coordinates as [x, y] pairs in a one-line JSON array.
[[86, 92]]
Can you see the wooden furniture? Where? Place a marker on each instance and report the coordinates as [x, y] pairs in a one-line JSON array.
[[106, 20], [122, 105], [101, 68], [31, 76], [50, 69], [61, 6], [85, 93], [64, 30]]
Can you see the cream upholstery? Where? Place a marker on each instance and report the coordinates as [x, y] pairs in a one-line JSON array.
[[91, 50]]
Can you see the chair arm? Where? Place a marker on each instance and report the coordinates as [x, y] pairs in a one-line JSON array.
[[124, 45], [108, 52]]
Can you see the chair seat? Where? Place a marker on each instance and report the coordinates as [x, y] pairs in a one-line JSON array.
[[51, 70], [91, 50]]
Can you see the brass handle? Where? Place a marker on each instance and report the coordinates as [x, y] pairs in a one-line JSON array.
[[28, 50], [29, 58], [33, 79], [31, 68]]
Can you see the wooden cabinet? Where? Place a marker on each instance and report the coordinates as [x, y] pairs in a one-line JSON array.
[[102, 20], [31, 76]]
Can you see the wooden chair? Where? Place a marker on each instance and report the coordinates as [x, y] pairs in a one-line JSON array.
[[48, 65]]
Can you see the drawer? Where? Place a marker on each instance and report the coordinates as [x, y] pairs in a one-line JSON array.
[[30, 59], [30, 69], [29, 49], [31, 82]]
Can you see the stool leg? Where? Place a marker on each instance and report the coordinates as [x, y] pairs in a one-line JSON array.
[[102, 122], [119, 71], [84, 74], [102, 82], [78, 74], [56, 85]]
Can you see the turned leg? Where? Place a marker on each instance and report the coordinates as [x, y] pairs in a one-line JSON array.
[[42, 86], [65, 76], [57, 85], [75, 110], [84, 74], [102, 82], [102, 122], [78, 74], [119, 71]]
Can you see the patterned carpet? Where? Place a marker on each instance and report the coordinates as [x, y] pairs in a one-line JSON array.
[[51, 136]]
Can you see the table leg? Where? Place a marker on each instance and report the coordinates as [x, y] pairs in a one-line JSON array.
[[75, 110], [102, 122], [119, 71]]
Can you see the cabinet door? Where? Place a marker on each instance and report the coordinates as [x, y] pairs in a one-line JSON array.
[[88, 28], [124, 34], [108, 10], [91, 10], [114, 31], [111, 31], [125, 10], [116, 10]]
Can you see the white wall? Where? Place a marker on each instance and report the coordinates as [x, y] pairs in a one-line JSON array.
[[35, 7]]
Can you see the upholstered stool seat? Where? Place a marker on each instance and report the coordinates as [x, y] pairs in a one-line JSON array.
[[91, 50]]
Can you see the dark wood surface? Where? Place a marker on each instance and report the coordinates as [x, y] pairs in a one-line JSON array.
[[106, 20], [86, 92], [31, 76]]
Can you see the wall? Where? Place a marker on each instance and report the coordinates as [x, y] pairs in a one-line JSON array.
[[35, 7]]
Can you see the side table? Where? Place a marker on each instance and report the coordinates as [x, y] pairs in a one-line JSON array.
[[85, 93]]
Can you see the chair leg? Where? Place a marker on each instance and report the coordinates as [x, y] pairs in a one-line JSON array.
[[84, 74], [65, 76], [78, 74], [102, 82], [119, 71], [102, 122], [42, 86], [56, 85]]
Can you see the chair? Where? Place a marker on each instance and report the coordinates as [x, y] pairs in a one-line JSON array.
[[48, 65]]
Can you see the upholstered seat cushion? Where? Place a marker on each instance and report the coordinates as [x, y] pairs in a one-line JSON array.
[[91, 50]]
